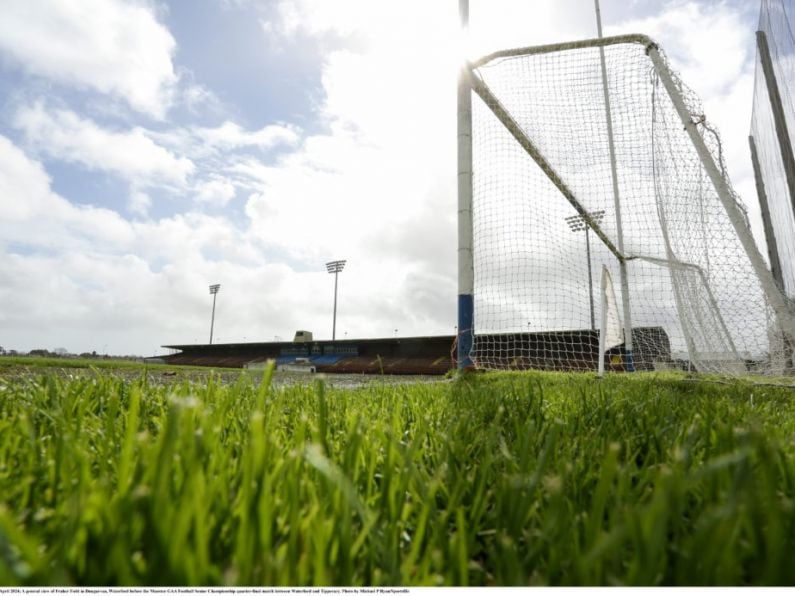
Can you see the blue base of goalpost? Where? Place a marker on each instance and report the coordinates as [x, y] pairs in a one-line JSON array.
[[465, 335], [629, 362]]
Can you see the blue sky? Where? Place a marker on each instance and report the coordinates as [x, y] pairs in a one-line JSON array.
[[150, 148]]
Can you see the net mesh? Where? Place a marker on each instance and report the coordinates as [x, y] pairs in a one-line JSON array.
[[689, 292], [775, 22]]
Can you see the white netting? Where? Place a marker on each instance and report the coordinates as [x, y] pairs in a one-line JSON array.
[[775, 23], [693, 296]]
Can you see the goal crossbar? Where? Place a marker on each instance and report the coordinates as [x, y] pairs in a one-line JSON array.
[[633, 38]]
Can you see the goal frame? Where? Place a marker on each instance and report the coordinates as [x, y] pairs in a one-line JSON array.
[[470, 82]]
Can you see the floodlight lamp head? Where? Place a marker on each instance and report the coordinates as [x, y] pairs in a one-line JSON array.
[[577, 222], [335, 266], [214, 288]]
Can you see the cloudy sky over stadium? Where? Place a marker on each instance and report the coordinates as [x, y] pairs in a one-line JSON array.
[[150, 148]]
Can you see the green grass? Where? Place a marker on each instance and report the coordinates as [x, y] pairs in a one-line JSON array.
[[41, 362], [506, 479]]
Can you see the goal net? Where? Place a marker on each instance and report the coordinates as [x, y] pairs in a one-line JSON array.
[[773, 131], [594, 154]]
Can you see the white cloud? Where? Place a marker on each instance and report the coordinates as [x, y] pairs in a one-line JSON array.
[[227, 142], [390, 112], [230, 135], [84, 277], [198, 96], [31, 214], [139, 202], [216, 192], [710, 63], [114, 47], [64, 135]]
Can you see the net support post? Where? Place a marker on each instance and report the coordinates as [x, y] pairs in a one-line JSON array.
[[466, 269], [622, 264], [780, 121], [767, 223], [774, 297]]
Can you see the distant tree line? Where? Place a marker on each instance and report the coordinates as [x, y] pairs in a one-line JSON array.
[[49, 354]]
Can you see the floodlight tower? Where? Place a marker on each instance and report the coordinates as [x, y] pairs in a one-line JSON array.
[[214, 291], [335, 267], [577, 224]]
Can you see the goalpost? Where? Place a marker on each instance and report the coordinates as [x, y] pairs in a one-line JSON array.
[[592, 154]]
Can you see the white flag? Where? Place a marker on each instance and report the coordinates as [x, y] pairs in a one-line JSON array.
[[611, 333]]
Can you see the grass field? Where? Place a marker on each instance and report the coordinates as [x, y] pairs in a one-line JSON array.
[[506, 479]]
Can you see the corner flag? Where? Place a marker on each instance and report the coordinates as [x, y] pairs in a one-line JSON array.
[[611, 332]]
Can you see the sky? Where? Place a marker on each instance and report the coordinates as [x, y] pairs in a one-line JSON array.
[[150, 148]]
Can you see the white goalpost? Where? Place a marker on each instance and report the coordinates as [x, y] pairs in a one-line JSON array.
[[592, 155]]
